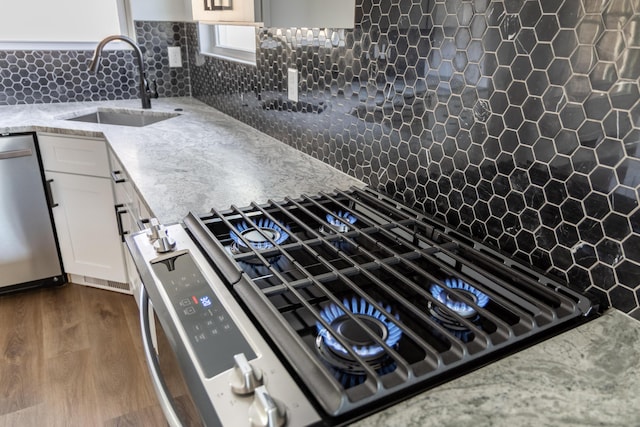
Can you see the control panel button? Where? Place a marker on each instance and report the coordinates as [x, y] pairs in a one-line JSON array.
[[265, 411], [244, 377]]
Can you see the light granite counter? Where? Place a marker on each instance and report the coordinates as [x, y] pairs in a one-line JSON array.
[[585, 377], [193, 162], [588, 376]]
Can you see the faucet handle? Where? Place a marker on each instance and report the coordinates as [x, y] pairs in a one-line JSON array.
[[151, 88]]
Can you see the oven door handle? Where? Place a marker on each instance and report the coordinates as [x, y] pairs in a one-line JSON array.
[[152, 362]]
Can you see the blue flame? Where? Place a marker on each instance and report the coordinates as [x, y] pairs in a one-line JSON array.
[[358, 306], [264, 225], [348, 379], [340, 219], [460, 307]]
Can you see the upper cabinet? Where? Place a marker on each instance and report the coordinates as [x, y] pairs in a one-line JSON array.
[[69, 21], [277, 13]]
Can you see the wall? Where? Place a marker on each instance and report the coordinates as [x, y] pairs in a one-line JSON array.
[[49, 76], [516, 121]]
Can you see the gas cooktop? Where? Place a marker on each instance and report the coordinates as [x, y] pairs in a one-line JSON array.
[[367, 301]]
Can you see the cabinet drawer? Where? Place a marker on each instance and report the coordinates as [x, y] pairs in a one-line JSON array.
[[123, 188], [127, 195], [71, 154]]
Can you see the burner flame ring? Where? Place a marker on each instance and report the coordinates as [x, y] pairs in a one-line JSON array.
[[450, 300], [340, 221], [361, 341], [258, 236]]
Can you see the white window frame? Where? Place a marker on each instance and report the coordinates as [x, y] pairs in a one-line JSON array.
[[210, 45]]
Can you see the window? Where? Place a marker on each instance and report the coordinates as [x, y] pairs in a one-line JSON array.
[[37, 24], [231, 42]]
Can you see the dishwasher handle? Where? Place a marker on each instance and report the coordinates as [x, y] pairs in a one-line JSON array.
[[153, 364], [15, 153]]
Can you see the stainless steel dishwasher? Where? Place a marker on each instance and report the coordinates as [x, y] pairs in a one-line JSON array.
[[29, 253]]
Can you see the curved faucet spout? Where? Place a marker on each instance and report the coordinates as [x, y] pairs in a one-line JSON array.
[[145, 95]]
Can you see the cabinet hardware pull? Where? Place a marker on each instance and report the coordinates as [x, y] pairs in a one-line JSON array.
[[116, 179], [141, 223], [49, 194], [119, 213]]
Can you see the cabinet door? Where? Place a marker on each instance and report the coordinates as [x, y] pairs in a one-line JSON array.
[[277, 13], [87, 229], [229, 11], [133, 277], [309, 13]]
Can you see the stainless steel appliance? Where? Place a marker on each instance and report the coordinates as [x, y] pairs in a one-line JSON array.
[[29, 254], [322, 309]]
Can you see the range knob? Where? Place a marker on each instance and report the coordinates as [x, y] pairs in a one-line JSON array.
[[265, 411], [244, 378], [164, 244], [155, 230]]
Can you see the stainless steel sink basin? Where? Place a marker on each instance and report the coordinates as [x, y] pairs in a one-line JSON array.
[[136, 118]]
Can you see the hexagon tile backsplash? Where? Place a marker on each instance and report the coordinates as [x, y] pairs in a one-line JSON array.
[[515, 121], [49, 76]]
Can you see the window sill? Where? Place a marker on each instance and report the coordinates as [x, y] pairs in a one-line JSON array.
[[246, 58]]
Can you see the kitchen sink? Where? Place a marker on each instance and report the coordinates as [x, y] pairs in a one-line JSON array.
[[121, 117]]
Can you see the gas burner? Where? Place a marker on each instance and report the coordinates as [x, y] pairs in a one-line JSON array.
[[337, 222], [453, 303], [445, 318], [361, 342], [257, 236], [454, 328], [349, 379]]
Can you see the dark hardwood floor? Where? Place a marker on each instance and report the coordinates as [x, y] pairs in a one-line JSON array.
[[72, 356]]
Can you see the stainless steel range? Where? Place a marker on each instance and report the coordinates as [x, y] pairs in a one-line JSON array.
[[323, 309]]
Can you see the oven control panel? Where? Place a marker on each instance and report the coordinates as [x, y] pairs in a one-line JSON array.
[[213, 335], [234, 368]]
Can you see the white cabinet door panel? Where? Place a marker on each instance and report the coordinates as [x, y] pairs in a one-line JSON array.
[[83, 156], [87, 229]]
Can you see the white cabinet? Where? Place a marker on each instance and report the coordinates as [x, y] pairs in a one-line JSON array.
[[133, 216], [133, 211], [86, 224], [228, 11], [84, 156], [85, 210], [277, 13]]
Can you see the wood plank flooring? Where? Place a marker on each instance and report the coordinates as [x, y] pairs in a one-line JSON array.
[[71, 356]]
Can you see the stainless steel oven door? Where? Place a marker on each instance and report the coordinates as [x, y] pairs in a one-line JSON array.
[[173, 394]]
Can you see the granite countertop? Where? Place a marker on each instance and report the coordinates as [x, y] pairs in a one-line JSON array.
[[193, 162], [588, 376], [202, 159]]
